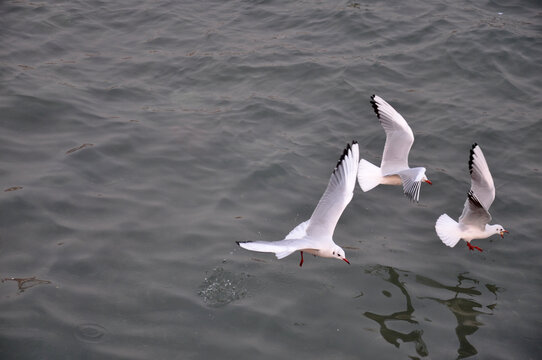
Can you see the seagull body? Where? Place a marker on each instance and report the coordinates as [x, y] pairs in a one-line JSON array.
[[473, 222], [315, 236], [394, 169]]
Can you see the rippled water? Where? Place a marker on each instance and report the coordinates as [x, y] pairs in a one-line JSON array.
[[140, 139]]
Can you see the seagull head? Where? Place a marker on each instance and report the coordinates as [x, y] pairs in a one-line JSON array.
[[501, 230], [338, 253], [497, 229]]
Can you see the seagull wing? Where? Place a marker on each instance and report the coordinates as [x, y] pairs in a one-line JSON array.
[[281, 248], [474, 213], [338, 194], [399, 137], [299, 232], [481, 180], [412, 182]]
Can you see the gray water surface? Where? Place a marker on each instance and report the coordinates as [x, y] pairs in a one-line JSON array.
[[140, 139]]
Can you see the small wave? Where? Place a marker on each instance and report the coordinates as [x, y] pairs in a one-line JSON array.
[[26, 283], [78, 148]]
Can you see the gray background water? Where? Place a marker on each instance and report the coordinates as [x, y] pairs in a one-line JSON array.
[[140, 139]]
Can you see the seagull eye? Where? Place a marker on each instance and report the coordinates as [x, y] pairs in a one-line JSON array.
[[334, 253]]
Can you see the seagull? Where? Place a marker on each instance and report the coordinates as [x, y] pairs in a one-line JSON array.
[[394, 169], [473, 222], [315, 236]]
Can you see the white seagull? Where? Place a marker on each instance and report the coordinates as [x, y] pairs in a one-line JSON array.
[[473, 222], [315, 235], [394, 169]]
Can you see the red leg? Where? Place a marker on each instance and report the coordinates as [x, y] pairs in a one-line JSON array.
[[473, 247], [301, 263]]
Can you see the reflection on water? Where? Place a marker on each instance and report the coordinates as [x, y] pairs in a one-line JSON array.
[[462, 303], [463, 308], [393, 336]]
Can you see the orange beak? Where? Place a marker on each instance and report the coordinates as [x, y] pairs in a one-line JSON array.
[[348, 262], [429, 182], [502, 233]]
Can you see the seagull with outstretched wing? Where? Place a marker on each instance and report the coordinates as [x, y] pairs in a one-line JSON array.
[[315, 236], [474, 221], [394, 169]]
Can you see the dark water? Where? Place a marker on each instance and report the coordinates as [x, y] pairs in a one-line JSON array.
[[140, 139]]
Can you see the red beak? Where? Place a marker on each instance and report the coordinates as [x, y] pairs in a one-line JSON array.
[[429, 182], [347, 261], [502, 233]]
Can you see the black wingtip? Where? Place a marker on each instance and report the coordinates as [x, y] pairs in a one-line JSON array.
[[471, 157], [375, 106], [344, 154], [473, 199]]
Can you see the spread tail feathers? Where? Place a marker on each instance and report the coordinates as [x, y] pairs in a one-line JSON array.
[[448, 230], [369, 175]]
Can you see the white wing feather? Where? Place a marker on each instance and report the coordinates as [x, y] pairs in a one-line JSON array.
[[474, 213], [412, 182], [399, 137], [300, 231], [338, 194], [281, 248], [481, 180]]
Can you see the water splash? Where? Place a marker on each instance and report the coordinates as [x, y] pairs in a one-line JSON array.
[[222, 287]]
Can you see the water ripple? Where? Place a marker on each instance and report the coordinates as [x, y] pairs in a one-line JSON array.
[[90, 333]]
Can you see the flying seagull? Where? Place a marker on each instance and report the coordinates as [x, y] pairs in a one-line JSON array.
[[473, 222], [315, 236], [394, 169]]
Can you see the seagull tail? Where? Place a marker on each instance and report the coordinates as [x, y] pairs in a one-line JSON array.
[[448, 230], [369, 175]]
